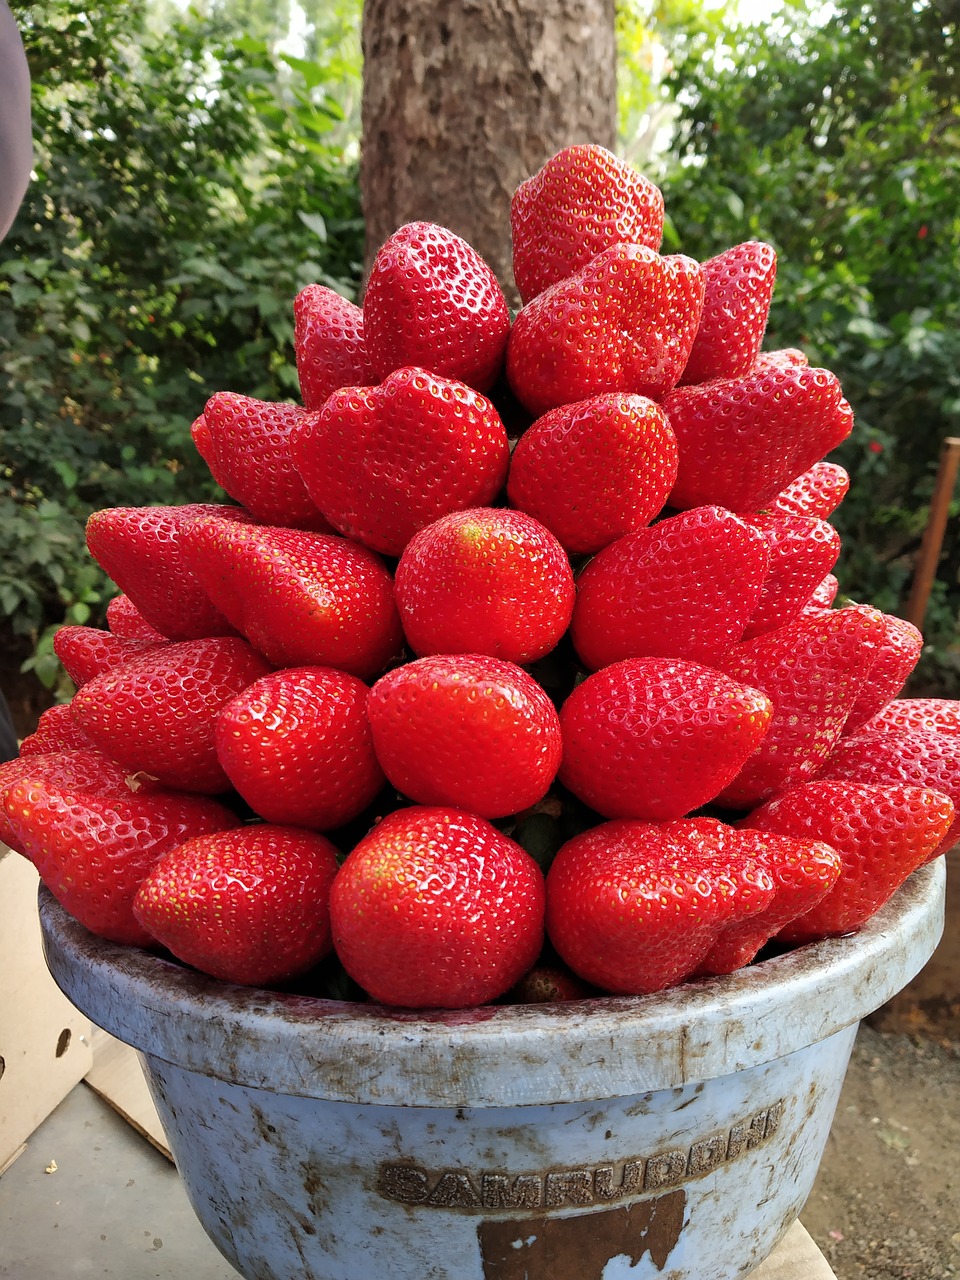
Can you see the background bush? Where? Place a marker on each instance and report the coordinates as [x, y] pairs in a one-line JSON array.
[[188, 183]]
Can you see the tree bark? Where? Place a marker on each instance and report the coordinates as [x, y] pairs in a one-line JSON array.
[[463, 99]]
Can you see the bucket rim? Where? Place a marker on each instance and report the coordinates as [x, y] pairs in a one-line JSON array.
[[496, 1055]]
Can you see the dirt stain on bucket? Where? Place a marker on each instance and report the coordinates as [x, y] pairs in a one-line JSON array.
[[579, 1247]]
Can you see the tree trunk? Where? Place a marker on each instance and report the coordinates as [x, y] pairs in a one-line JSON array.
[[463, 99]]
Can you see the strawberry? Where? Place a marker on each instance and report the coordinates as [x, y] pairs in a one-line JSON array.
[[432, 301], [73, 768], [899, 652], [817, 492], [203, 443], [684, 588], [384, 461], [57, 730], [738, 286], [582, 201], [158, 715], [803, 872], [93, 849], [742, 439], [301, 599], [932, 715], [297, 746], [461, 904], [250, 441], [250, 906], [547, 984], [634, 908], [595, 470], [802, 551], [882, 834], [812, 670], [823, 594], [785, 358], [328, 344], [485, 581], [625, 322], [125, 620], [85, 652], [465, 730], [141, 549], [655, 738], [914, 758]]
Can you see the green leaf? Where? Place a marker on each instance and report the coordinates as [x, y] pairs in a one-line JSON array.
[[315, 222], [66, 472], [313, 72]]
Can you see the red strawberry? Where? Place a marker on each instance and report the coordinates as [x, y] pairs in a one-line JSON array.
[[634, 908], [582, 201], [914, 758], [92, 850], [738, 288], [899, 653], [824, 594], [812, 670], [297, 746], [785, 358], [250, 440], [931, 715], [141, 549], [465, 730], [86, 652], [803, 872], [74, 768], [432, 301], [485, 581], [802, 551], [742, 439], [882, 834], [595, 470], [681, 589], [624, 322], [459, 902], [57, 730], [818, 492], [655, 738], [384, 461], [203, 443], [302, 599], [125, 620], [249, 906], [328, 343], [158, 714], [548, 984]]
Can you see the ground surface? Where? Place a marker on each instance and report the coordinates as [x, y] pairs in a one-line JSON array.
[[886, 1204]]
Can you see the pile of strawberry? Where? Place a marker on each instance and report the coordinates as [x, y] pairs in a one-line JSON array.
[[341, 716]]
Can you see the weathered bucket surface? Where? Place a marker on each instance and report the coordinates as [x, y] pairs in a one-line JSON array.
[[674, 1136]]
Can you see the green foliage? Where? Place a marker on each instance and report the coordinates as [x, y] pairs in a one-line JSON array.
[[650, 34], [187, 186], [839, 143]]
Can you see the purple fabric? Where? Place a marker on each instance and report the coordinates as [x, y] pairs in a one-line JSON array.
[[16, 144]]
